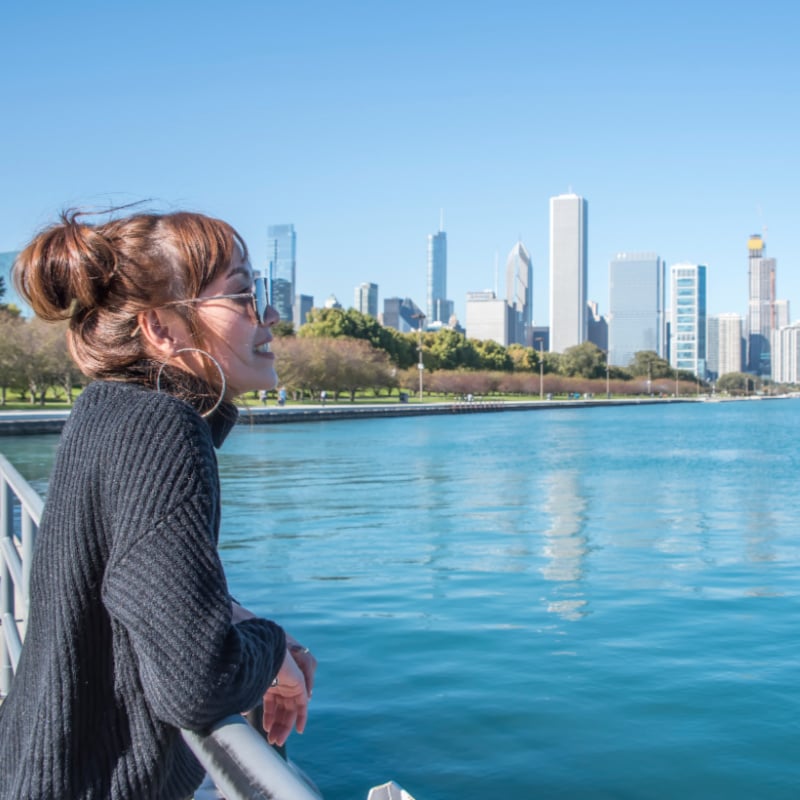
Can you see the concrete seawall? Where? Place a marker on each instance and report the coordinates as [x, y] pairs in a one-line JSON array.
[[13, 423]]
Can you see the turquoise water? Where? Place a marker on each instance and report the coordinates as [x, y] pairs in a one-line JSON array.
[[576, 603]]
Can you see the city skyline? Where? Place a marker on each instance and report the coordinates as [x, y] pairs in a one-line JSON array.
[[359, 123]]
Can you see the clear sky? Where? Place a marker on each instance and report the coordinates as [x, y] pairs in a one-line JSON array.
[[360, 121]]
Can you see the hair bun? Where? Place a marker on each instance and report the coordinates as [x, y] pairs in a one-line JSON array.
[[66, 269]]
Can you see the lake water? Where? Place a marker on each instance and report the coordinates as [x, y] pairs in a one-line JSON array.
[[576, 603]]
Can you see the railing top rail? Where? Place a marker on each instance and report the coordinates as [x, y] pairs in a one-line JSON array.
[[28, 497]]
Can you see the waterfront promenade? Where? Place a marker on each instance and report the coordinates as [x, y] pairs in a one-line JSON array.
[[14, 423]]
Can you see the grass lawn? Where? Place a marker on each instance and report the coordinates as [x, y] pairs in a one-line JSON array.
[[250, 400]]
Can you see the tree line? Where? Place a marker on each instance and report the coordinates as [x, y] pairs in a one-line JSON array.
[[344, 352]]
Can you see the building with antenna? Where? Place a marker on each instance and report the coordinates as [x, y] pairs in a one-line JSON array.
[[519, 295], [439, 308], [282, 249]]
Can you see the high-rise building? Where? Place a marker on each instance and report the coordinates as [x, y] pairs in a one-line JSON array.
[[568, 271], [402, 314], [688, 329], [366, 299], [761, 308], [440, 309], [725, 344], [781, 314], [635, 306], [282, 255], [303, 303], [597, 326], [487, 317], [786, 354], [519, 294]]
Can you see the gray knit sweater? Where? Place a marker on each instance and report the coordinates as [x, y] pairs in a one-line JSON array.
[[130, 634]]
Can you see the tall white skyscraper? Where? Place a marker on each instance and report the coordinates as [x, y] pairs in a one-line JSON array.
[[366, 299], [688, 332], [519, 294], [568, 271], [636, 306]]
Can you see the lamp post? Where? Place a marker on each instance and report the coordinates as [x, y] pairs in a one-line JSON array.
[[541, 367], [420, 366], [608, 386]]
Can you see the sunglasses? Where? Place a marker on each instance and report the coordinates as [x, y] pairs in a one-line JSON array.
[[259, 297]]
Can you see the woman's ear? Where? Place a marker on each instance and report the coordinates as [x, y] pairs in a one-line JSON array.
[[163, 330]]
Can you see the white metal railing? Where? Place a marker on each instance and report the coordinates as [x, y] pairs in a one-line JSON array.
[[16, 550], [240, 762], [236, 756]]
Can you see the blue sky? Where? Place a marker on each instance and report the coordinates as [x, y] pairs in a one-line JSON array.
[[359, 121]]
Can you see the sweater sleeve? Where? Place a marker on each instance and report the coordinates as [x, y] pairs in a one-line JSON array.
[[168, 593]]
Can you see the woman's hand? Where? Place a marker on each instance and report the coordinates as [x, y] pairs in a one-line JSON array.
[[286, 703], [304, 659]]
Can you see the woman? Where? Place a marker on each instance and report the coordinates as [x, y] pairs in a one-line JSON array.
[[132, 633]]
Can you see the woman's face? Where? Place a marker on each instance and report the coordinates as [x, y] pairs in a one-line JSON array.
[[232, 333]]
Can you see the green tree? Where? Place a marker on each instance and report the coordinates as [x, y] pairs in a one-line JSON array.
[[736, 383], [525, 359], [552, 363], [648, 364], [283, 328], [12, 352], [450, 350], [492, 356], [584, 360], [334, 323]]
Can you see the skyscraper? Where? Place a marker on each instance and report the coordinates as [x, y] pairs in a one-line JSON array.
[[439, 308], [303, 303], [366, 299], [401, 313], [519, 294], [688, 329], [281, 251], [724, 344], [786, 354], [636, 306], [761, 308], [487, 317], [568, 271]]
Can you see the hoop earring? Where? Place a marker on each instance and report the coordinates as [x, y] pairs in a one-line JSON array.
[[213, 361]]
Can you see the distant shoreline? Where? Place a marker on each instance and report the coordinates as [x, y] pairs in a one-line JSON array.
[[15, 423]]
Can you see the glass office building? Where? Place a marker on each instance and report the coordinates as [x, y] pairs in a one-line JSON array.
[[439, 308], [688, 329], [636, 307], [281, 251], [366, 299]]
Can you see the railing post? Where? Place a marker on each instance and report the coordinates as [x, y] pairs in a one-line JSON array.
[[6, 584]]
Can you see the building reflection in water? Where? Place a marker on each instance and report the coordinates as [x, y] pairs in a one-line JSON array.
[[565, 545]]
